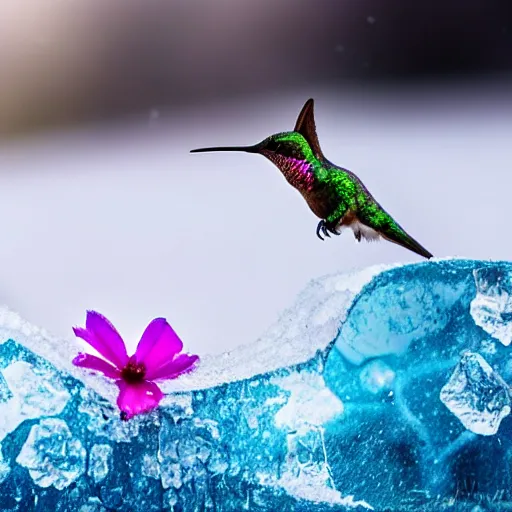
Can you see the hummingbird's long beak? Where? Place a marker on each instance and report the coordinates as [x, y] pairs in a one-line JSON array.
[[245, 149]]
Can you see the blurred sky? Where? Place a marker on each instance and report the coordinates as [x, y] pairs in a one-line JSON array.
[[103, 207]]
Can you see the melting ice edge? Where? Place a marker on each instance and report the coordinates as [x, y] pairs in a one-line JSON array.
[[385, 389]]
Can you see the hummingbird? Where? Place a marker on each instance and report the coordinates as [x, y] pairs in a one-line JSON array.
[[334, 194]]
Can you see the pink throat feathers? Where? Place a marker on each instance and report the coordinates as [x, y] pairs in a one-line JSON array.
[[299, 173]]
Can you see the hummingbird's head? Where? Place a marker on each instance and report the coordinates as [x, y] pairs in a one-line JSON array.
[[285, 146], [299, 144]]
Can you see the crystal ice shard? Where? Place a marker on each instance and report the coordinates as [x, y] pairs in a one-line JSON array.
[[477, 395], [491, 309], [334, 194]]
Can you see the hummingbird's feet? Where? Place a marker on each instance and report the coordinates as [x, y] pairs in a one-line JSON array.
[[326, 229]]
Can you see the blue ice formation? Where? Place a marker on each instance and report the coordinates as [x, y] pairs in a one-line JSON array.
[[385, 389]]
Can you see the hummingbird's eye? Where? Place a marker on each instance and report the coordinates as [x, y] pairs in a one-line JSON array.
[[273, 146]]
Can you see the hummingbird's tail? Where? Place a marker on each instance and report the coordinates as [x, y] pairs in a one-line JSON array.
[[406, 241], [373, 216]]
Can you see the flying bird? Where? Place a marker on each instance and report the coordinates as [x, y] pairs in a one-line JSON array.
[[334, 194]]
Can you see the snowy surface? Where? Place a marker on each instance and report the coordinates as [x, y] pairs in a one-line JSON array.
[[362, 396], [122, 219]]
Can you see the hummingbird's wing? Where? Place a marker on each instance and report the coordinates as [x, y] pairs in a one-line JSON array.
[[306, 126], [373, 216]]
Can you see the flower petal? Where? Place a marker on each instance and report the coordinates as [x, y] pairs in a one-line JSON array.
[[103, 337], [95, 363], [138, 398], [151, 335], [171, 370], [158, 345]]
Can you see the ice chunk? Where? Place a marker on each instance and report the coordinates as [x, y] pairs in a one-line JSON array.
[[30, 392], [477, 395], [335, 408], [491, 309], [51, 455], [99, 460]]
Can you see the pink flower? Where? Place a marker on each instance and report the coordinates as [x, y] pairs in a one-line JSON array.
[[157, 357]]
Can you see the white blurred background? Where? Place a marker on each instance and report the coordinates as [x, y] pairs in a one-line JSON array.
[[103, 207]]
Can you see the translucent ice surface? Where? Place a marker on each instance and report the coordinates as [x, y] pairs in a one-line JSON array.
[[385, 389]]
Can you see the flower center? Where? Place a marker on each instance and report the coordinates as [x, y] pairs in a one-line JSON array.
[[133, 372]]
